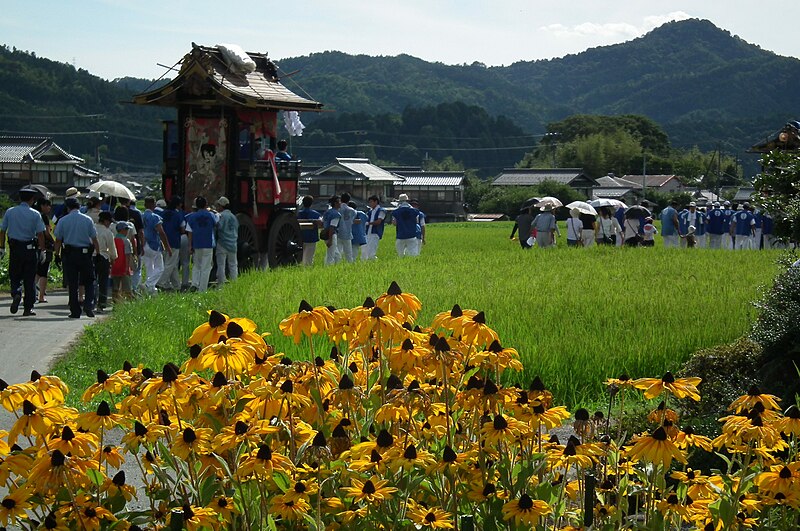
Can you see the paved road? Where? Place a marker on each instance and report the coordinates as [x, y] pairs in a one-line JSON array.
[[32, 343]]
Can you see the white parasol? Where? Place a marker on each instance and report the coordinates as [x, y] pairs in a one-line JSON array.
[[112, 188]]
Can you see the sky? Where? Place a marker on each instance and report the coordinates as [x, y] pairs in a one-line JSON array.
[[117, 38]]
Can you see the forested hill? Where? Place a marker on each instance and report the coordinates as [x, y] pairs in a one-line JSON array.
[[704, 86]]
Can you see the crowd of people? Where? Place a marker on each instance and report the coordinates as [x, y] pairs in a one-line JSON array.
[[719, 227], [107, 243], [348, 232]]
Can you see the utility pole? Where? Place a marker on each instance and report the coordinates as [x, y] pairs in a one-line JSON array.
[[644, 174]]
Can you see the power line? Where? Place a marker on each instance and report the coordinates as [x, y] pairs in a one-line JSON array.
[[420, 148], [59, 133], [39, 117]]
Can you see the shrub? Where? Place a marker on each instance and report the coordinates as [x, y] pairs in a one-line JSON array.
[[777, 330]]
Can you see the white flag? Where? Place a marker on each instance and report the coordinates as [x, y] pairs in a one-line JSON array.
[[292, 123]]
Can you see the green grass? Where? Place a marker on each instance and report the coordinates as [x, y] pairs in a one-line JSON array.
[[576, 316]]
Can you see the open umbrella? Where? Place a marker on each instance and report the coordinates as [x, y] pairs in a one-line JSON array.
[[605, 202], [636, 212], [548, 200], [529, 203], [112, 188], [42, 190], [583, 207]]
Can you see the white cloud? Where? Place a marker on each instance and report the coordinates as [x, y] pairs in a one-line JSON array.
[[612, 31]]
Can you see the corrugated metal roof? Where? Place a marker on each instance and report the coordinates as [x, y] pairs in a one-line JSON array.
[[652, 181], [611, 193], [355, 168], [744, 194], [530, 177], [431, 180]]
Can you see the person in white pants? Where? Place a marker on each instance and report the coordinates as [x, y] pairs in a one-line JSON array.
[[420, 227], [200, 229], [330, 223], [155, 240], [375, 227], [201, 268], [227, 242]]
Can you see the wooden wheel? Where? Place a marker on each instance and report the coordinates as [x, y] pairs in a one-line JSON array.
[[284, 242], [248, 245]]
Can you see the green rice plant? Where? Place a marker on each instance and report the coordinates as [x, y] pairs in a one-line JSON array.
[[576, 316]]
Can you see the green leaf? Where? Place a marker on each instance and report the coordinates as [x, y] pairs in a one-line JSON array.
[[208, 489], [96, 476], [281, 480]]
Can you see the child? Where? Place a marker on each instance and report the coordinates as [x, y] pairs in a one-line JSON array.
[[691, 239], [122, 267], [649, 231]]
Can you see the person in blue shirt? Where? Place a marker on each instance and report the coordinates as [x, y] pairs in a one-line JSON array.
[[420, 234], [282, 154], [405, 218], [227, 242], [727, 235], [330, 221], [311, 234], [691, 217], [715, 222], [759, 218], [25, 230], [375, 226], [767, 229], [174, 226], [619, 215], [743, 226], [200, 230], [670, 226], [155, 241], [76, 234], [359, 224]]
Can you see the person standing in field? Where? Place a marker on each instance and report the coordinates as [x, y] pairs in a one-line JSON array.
[[375, 226], [648, 233], [135, 216], [200, 228], [25, 230], [43, 267], [714, 226], [575, 229], [523, 224], [545, 226], [359, 226], [690, 217], [727, 235], [227, 242], [767, 227], [608, 229], [310, 235], [743, 226], [330, 222], [670, 226], [344, 232], [589, 222], [405, 218], [420, 234]]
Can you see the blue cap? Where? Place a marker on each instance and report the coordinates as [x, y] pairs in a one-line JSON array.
[[71, 203]]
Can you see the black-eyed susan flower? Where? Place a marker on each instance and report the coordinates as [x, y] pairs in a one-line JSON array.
[[656, 448], [243, 430], [687, 438], [230, 358], [754, 396], [14, 506], [143, 435], [790, 423], [308, 321], [662, 414], [101, 418], [80, 444], [395, 302], [475, 332], [679, 387], [225, 507], [262, 462], [216, 328], [195, 441], [525, 511], [110, 455], [783, 478], [372, 491], [502, 429], [547, 418], [51, 389], [193, 518], [39, 420], [117, 486], [113, 385], [289, 508], [431, 517]]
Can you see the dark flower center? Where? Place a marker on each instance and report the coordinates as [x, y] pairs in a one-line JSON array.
[[240, 428], [785, 473], [28, 408], [169, 373], [67, 434], [102, 376], [668, 378], [222, 502], [394, 289], [345, 383], [219, 380], [660, 434], [287, 387], [495, 347], [189, 436], [215, 319], [384, 439], [582, 414], [319, 440], [430, 517], [368, 303], [305, 307], [90, 512], [449, 455], [103, 409], [377, 313], [442, 345], [57, 459], [234, 330], [456, 311], [188, 514], [407, 344], [500, 423], [375, 457], [525, 502], [368, 488], [490, 388], [479, 318], [299, 487], [537, 385], [119, 478], [195, 350], [672, 499], [489, 489], [411, 452], [9, 503], [264, 453]]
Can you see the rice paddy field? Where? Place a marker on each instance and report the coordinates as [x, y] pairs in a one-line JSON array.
[[576, 316]]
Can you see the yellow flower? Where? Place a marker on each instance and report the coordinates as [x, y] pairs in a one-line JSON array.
[[262, 462], [194, 518], [395, 302], [780, 478], [195, 441], [373, 490], [307, 321], [224, 507], [672, 505], [39, 420], [289, 508], [141, 434], [81, 444], [92, 514], [790, 423], [656, 448], [502, 429], [92, 421], [525, 511], [113, 385], [453, 320], [475, 332], [49, 388], [433, 517], [753, 397], [680, 387], [14, 506], [232, 357], [217, 327], [687, 438]]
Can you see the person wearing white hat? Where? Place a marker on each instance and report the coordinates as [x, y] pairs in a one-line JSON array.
[[715, 221], [690, 217], [405, 218], [545, 226]]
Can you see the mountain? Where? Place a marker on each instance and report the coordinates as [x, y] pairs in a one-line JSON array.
[[704, 86]]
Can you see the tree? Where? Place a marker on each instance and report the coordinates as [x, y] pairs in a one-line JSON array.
[[778, 187]]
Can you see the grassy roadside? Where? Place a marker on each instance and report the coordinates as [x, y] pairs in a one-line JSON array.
[[576, 316]]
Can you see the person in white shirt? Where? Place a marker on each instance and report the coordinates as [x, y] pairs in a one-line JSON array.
[[104, 258]]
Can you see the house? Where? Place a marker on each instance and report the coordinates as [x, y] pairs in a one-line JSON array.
[[440, 193], [573, 177], [660, 183], [744, 194], [359, 177], [38, 160]]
